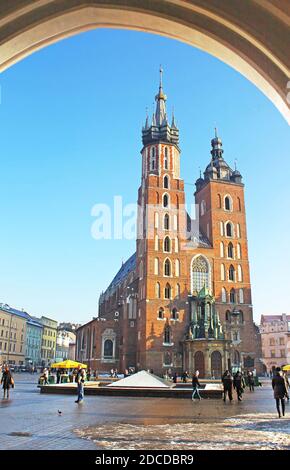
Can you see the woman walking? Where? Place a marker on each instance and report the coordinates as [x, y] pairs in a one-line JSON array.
[[195, 385], [7, 381], [280, 392]]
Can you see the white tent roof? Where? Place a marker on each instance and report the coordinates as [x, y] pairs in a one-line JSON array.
[[141, 379]]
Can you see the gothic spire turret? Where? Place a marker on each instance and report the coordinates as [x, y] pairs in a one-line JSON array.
[[160, 129]]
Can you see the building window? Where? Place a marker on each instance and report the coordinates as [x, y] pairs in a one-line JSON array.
[[229, 229], [219, 201], [167, 334], [230, 250], [232, 296], [221, 229], [174, 314], [165, 182], [166, 245], [228, 316], [167, 268], [177, 291], [108, 348], [202, 208], [273, 353], [281, 341], [222, 252], [228, 203], [231, 273], [167, 359], [224, 295], [175, 223], [176, 245], [238, 251], [165, 200], [238, 231], [200, 273], [166, 222], [272, 341], [239, 205], [161, 313], [167, 291]]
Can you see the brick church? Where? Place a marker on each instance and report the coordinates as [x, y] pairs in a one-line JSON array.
[[182, 301]]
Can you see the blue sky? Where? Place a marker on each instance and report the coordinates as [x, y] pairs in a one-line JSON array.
[[70, 128]]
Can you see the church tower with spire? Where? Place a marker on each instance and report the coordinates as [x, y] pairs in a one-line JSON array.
[[220, 198], [160, 260]]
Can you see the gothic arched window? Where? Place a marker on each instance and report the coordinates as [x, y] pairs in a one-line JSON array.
[[223, 272], [161, 313], [167, 291], [166, 222], [240, 273], [174, 314], [108, 348], [228, 203], [165, 200], [167, 334], [228, 315], [165, 182], [229, 229], [200, 273], [177, 291], [222, 251], [232, 296], [231, 273], [167, 245], [230, 250], [167, 268], [219, 201]]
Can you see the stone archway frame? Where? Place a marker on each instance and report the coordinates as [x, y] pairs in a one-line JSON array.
[[252, 37]]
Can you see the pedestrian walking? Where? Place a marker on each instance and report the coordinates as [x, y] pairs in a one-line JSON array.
[[239, 384], [7, 381], [286, 384], [174, 378], [227, 381], [251, 381], [80, 379], [58, 376], [195, 385], [45, 376], [280, 392]]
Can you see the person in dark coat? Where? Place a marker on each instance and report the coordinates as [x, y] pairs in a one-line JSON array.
[[251, 381], [239, 384], [227, 381], [174, 378], [58, 376], [6, 381], [280, 391], [195, 385], [184, 377]]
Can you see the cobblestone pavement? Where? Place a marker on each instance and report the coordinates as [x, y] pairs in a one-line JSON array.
[[30, 420]]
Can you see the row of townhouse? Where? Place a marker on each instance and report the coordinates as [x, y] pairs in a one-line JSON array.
[[26, 340]]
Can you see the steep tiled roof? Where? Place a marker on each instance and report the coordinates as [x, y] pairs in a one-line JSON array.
[[125, 269]]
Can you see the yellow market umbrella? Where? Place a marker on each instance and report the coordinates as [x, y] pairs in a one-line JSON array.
[[68, 365], [286, 367]]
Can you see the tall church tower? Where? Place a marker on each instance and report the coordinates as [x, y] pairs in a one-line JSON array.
[[220, 198], [160, 262]]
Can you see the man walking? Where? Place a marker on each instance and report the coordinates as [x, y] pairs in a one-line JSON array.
[[227, 381], [239, 384], [195, 385], [80, 379], [6, 381], [280, 392]]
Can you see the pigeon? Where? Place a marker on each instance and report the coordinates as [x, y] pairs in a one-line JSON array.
[[59, 412]]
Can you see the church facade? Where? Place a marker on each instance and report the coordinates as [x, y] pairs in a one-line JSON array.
[[183, 300]]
